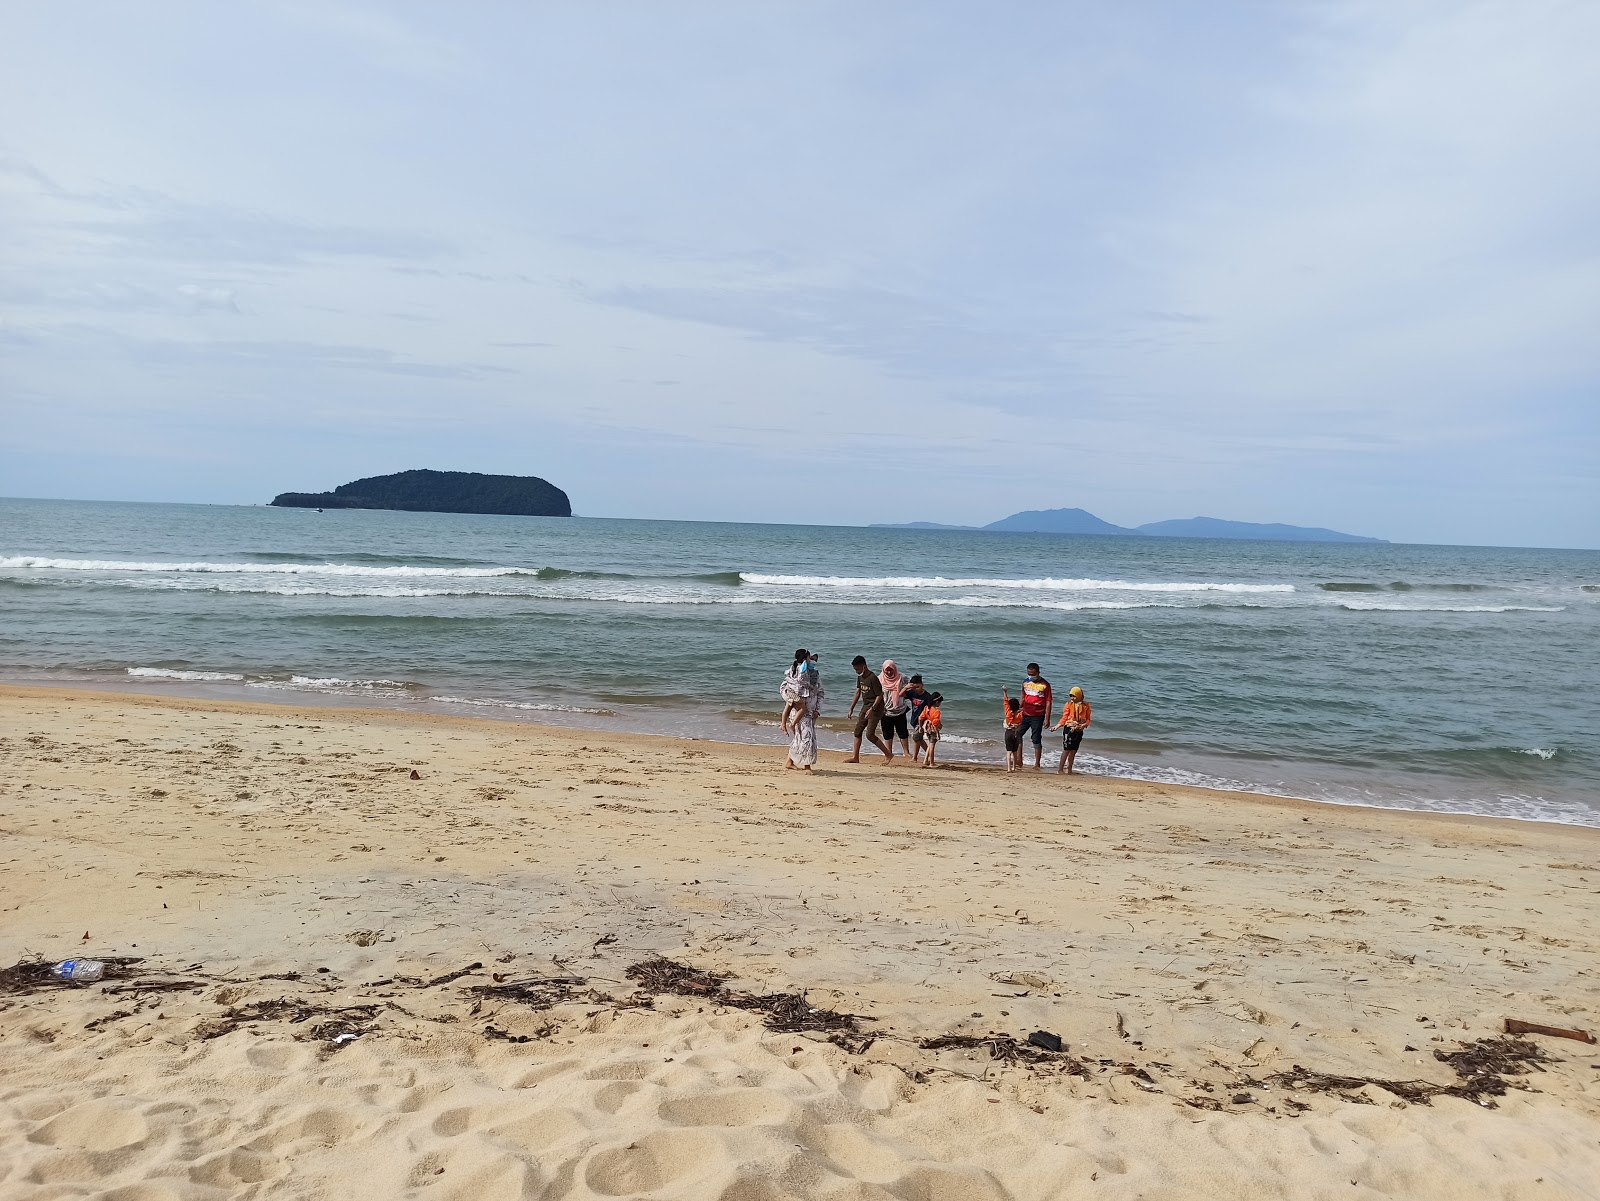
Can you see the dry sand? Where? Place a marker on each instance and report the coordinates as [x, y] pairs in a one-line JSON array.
[[1188, 946]]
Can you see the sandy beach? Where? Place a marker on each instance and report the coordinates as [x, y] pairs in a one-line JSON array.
[[388, 955]]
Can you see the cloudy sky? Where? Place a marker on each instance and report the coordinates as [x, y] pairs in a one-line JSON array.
[[1327, 263]]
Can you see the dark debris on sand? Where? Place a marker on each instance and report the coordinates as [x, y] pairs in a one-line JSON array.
[[1486, 1068], [1007, 1049], [788, 1013], [1482, 1066], [35, 975]]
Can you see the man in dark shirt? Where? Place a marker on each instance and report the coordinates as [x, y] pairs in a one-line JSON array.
[[869, 693], [916, 697]]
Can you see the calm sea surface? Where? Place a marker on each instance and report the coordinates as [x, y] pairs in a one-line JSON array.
[[1453, 678]]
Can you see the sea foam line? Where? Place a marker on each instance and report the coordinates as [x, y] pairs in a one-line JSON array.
[[1358, 607], [35, 562], [1044, 584], [529, 705], [171, 673]]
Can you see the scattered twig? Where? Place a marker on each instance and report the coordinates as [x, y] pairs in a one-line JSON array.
[[1514, 1026], [455, 975]]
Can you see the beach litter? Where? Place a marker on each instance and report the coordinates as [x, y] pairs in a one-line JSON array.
[[1515, 1026], [37, 975]]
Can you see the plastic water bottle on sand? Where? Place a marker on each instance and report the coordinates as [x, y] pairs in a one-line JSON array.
[[79, 971]]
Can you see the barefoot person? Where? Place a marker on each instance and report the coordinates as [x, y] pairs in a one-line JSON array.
[[1075, 717], [1037, 703], [1011, 715], [895, 706], [869, 695], [802, 694], [931, 722], [796, 687], [916, 696]]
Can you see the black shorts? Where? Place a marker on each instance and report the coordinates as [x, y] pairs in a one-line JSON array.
[[1034, 722], [894, 726], [1013, 739], [1071, 739]]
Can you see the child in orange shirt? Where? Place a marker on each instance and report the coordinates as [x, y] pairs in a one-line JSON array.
[[1075, 717], [930, 723], [1011, 711]]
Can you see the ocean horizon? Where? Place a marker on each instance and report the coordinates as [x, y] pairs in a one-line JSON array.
[[1440, 678]]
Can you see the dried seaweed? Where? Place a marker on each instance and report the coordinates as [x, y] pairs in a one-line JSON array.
[[1008, 1050], [1482, 1067], [541, 993], [293, 1011], [788, 1013], [660, 975], [1502, 1056]]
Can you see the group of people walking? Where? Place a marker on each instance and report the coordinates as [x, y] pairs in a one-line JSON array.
[[893, 706]]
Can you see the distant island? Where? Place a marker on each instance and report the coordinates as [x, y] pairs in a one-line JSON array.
[[1080, 521], [424, 491]]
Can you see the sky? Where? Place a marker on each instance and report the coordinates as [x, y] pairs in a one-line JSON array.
[[1333, 263]]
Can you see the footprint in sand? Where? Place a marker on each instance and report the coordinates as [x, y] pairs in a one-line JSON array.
[[93, 1126], [735, 1107], [658, 1159]]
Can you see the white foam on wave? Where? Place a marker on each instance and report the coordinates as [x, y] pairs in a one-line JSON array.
[[172, 673], [1043, 584], [335, 684], [34, 562], [527, 705], [982, 602], [1541, 752], [1363, 607]]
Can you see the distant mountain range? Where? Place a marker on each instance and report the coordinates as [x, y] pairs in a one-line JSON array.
[[1080, 521]]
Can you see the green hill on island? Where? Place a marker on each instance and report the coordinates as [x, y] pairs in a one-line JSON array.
[[425, 491]]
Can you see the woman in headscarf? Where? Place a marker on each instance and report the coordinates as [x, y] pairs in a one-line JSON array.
[[895, 706], [802, 695]]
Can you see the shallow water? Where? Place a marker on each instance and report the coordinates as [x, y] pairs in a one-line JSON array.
[[1454, 678]]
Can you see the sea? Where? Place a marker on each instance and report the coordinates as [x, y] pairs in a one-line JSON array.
[[1447, 678]]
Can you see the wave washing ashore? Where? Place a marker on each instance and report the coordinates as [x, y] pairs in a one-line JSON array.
[[1422, 677]]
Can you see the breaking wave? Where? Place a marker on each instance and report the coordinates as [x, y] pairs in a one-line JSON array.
[[1044, 584], [173, 673], [1356, 606], [297, 568], [532, 706]]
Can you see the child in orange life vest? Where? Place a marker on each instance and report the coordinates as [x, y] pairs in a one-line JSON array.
[[1011, 709], [930, 723], [1075, 717]]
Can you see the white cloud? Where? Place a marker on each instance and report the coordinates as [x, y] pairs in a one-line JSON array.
[[1263, 261]]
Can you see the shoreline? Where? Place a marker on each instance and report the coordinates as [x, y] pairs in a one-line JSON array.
[[191, 695], [336, 908]]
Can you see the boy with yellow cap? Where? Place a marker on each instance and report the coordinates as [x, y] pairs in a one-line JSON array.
[[1075, 717]]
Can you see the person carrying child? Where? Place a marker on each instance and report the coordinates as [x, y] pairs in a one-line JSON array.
[[931, 723], [802, 696], [798, 684], [1075, 718], [1011, 712]]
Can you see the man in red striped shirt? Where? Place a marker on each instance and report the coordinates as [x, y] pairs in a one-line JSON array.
[[1037, 704]]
